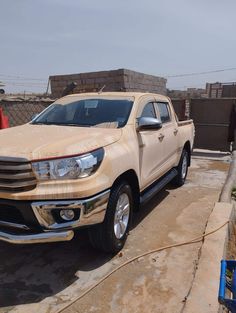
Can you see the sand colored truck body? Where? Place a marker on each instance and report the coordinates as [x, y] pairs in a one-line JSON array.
[[139, 154]]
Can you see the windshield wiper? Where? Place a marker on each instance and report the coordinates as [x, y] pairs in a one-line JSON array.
[[79, 125], [46, 123], [38, 123]]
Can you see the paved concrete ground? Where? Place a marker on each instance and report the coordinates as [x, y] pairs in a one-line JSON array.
[[213, 250], [44, 278]]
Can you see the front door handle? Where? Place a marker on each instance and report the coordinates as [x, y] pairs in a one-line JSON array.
[[175, 131], [161, 137]]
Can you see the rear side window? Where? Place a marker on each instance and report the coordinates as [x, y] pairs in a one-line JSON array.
[[164, 112], [148, 110]]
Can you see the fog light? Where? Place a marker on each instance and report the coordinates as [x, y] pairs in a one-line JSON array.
[[67, 215]]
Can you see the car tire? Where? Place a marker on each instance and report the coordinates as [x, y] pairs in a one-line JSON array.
[[110, 236], [182, 169]]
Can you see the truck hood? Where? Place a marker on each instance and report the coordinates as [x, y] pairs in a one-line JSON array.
[[47, 141]]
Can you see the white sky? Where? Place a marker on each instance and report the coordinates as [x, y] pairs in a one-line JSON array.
[[39, 38]]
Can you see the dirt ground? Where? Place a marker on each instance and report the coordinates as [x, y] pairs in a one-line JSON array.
[[45, 278]]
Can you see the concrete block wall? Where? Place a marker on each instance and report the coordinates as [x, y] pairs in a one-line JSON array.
[[115, 80]]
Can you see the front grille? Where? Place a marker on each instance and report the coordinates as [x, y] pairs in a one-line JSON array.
[[16, 175]]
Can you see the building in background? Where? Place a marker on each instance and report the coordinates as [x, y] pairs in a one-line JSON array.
[[187, 94], [221, 90], [213, 90], [115, 80]]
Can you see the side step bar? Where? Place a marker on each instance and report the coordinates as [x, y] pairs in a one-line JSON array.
[[147, 194]]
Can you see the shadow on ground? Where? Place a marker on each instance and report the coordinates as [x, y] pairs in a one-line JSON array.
[[30, 273]]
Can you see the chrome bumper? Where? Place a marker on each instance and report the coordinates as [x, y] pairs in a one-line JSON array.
[[37, 238], [90, 211]]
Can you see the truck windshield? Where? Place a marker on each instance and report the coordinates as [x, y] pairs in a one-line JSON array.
[[87, 113]]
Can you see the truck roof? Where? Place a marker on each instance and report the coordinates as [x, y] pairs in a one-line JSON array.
[[114, 94]]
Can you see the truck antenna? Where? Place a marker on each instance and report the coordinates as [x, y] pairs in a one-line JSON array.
[[101, 90]]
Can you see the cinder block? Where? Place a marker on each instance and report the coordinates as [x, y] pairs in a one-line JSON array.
[[121, 79]]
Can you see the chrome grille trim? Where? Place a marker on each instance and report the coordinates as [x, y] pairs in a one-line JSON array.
[[16, 175], [7, 167], [13, 159]]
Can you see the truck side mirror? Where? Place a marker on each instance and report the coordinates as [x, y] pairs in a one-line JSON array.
[[145, 123]]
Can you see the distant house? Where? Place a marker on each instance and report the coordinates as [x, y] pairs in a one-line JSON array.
[[188, 93], [221, 90]]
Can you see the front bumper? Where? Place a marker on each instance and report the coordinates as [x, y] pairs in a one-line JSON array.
[[37, 238], [40, 221]]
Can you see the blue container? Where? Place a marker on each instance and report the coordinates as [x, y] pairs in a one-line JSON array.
[[227, 289]]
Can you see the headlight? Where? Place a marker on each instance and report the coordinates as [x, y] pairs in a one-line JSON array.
[[69, 168]]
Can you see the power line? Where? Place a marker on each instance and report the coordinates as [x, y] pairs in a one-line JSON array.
[[201, 73], [22, 80], [167, 76], [21, 77], [198, 85], [27, 84]]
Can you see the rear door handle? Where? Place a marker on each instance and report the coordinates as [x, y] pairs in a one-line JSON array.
[[175, 131], [161, 137]]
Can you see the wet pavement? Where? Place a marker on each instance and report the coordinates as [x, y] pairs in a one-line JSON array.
[[46, 278]]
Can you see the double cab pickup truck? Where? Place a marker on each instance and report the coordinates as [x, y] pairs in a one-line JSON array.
[[89, 160]]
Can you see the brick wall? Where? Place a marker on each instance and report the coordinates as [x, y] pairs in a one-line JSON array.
[[116, 80]]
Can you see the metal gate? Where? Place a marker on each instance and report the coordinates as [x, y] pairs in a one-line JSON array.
[[211, 119]]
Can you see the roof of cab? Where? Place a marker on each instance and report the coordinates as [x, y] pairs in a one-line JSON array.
[[114, 94]]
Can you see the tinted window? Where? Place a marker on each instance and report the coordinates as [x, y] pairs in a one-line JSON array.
[[88, 112], [164, 112], [148, 110]]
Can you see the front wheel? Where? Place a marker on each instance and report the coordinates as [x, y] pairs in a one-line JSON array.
[[182, 169], [111, 235]]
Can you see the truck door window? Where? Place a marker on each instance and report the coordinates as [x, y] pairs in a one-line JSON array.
[[163, 108], [148, 110]]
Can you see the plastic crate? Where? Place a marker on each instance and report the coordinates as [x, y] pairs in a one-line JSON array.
[[227, 288]]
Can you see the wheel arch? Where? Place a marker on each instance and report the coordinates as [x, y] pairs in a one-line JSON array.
[[131, 178], [187, 147]]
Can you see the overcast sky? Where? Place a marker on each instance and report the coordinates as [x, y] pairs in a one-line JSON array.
[[39, 38]]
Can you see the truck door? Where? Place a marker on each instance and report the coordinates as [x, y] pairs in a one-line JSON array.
[[151, 149], [170, 133]]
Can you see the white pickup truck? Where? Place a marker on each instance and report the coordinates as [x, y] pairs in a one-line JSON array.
[[89, 160]]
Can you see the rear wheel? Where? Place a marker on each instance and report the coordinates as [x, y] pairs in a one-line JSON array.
[[110, 236], [182, 169]]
